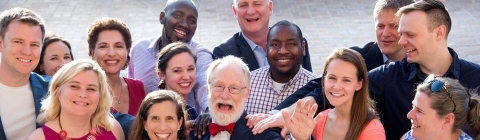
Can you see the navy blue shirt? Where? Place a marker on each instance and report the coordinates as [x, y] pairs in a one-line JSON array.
[[393, 86]]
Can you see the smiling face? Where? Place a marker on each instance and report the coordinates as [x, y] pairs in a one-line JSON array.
[[387, 33], [110, 51], [341, 82], [285, 50], [56, 55], [80, 94], [416, 39], [20, 48], [252, 15], [162, 122], [426, 124], [225, 107], [180, 21], [180, 74]]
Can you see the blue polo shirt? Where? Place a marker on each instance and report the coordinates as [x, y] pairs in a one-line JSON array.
[[393, 87]]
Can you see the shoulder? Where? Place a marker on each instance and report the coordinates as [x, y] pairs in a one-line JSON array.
[[116, 129], [37, 135], [365, 48], [373, 130], [309, 74], [260, 71], [229, 41], [143, 43]]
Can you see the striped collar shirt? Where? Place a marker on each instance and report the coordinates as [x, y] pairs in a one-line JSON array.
[[143, 60], [263, 96]]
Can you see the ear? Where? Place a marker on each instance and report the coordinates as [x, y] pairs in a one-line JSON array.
[[144, 125], [440, 32], [359, 85], [234, 11], [449, 119], [41, 67], [162, 18], [270, 7], [247, 94], [161, 75], [1, 43], [180, 122], [303, 48]]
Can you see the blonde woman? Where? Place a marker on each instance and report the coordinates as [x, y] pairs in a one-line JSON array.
[[78, 105]]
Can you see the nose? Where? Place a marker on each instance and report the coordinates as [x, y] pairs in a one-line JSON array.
[[183, 23], [338, 85], [387, 31], [410, 114], [225, 93], [402, 41], [283, 49], [26, 50], [111, 51], [250, 10], [82, 94], [162, 125]]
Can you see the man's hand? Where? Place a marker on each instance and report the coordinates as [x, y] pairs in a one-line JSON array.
[[301, 121], [253, 119], [201, 125], [275, 120]]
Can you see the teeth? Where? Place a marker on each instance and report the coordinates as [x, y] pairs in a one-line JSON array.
[[185, 84], [163, 136], [338, 95], [24, 60], [81, 103], [410, 50], [285, 60], [112, 62], [180, 32]]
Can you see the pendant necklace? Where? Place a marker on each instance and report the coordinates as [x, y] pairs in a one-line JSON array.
[[63, 133]]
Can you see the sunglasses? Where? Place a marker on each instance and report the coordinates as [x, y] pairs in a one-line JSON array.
[[437, 85]]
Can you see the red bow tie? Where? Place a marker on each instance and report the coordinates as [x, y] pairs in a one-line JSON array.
[[215, 128]]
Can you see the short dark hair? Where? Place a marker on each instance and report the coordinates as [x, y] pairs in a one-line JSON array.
[[23, 15], [137, 132], [437, 13], [394, 5], [103, 24], [49, 39], [285, 23], [167, 53]]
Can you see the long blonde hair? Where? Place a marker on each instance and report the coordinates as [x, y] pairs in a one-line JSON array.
[[50, 109]]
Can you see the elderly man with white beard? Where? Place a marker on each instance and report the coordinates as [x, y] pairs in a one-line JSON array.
[[228, 89]]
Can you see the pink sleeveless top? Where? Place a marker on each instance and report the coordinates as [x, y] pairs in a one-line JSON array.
[[103, 134], [373, 131], [136, 92]]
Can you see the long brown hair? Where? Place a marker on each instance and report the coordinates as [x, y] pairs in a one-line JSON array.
[[363, 108], [137, 132]]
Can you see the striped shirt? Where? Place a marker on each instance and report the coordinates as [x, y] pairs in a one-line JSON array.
[[263, 96], [143, 60]]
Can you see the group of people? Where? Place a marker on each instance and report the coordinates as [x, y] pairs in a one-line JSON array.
[[256, 84]]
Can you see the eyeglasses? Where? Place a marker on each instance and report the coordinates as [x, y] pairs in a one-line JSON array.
[[437, 85], [231, 89]]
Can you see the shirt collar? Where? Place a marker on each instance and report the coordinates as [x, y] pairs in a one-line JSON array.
[[385, 58], [153, 46], [252, 45], [453, 70]]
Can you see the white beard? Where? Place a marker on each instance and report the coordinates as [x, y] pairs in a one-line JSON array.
[[222, 135], [225, 119]]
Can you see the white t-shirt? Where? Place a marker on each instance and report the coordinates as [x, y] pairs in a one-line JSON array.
[[17, 110], [277, 86]]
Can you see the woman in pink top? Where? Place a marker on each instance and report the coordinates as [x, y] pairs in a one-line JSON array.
[[77, 106], [352, 114], [109, 42]]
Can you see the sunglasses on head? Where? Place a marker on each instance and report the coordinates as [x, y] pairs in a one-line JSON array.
[[437, 85]]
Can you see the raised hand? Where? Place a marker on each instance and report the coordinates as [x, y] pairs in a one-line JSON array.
[[301, 122]]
